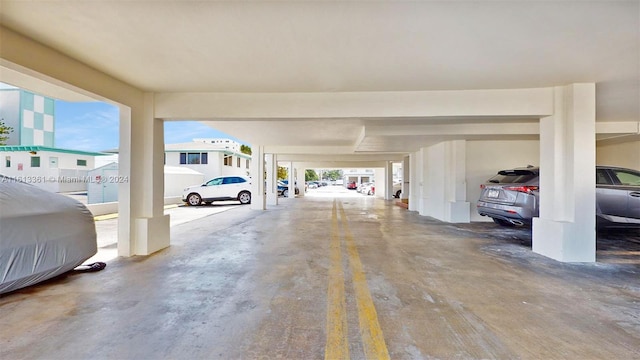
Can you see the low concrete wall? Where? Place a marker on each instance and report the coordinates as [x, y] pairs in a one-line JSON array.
[[112, 207]]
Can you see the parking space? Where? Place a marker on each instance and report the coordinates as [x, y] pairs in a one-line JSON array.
[[264, 284]]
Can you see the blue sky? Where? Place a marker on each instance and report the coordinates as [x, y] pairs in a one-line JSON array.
[[94, 126]]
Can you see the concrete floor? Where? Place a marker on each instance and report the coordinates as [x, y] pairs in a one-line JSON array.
[[358, 278]]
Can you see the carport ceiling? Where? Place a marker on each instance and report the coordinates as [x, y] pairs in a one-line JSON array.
[[321, 46]]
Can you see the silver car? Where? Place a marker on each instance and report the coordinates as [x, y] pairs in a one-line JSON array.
[[512, 196], [618, 196]]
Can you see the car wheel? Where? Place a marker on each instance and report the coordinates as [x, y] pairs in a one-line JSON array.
[[244, 197], [502, 222], [285, 193], [194, 199], [398, 194]]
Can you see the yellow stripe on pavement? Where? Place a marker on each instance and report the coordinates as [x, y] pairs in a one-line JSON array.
[[370, 331], [337, 346]]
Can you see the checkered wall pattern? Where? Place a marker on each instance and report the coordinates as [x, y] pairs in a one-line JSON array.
[[37, 126]]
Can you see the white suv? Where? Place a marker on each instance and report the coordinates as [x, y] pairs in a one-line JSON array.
[[217, 189]]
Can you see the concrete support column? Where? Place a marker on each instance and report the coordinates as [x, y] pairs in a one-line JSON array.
[[565, 230], [415, 180], [388, 182], [271, 164], [258, 198], [142, 164], [457, 208], [444, 182], [301, 180], [292, 181], [406, 177], [431, 187]]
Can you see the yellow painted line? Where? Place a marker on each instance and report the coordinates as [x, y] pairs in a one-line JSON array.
[[370, 331], [105, 217], [337, 346]]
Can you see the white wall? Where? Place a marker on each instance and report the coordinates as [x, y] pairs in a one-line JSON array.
[[486, 158], [625, 155], [215, 166], [66, 177], [174, 183]]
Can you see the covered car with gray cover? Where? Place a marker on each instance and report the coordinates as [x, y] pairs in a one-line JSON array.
[[42, 234]]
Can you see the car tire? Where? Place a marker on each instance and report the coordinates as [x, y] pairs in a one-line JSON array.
[[194, 199], [398, 194], [244, 197], [502, 222], [285, 193]]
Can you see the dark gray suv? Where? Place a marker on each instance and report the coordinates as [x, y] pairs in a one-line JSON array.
[[511, 197]]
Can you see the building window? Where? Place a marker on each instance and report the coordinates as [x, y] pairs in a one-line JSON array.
[[247, 163], [7, 161], [35, 161], [193, 158], [81, 162], [228, 160], [238, 162]]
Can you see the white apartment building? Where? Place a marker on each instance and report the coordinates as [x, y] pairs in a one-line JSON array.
[[212, 159]]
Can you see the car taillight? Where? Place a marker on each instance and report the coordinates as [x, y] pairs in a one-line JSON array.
[[482, 186], [523, 189]]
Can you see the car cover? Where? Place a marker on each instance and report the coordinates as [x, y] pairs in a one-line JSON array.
[[42, 234]]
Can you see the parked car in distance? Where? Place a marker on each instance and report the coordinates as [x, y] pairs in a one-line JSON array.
[[368, 188], [360, 188], [397, 190], [512, 196], [283, 188], [219, 189], [351, 185]]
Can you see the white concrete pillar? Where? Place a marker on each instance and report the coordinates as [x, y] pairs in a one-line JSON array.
[[258, 198], [126, 245], [415, 182], [565, 230], [432, 195], [406, 177], [301, 180], [142, 164], [271, 164], [292, 181], [388, 182], [457, 208], [444, 182]]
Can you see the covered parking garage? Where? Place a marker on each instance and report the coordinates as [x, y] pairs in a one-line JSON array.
[[361, 84]]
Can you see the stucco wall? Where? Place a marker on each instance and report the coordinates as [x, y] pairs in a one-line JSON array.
[[215, 166], [486, 158], [624, 155], [67, 176]]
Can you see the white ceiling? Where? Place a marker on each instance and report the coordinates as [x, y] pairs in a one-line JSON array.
[[322, 46]]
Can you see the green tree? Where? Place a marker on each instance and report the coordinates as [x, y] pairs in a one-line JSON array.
[[310, 175], [245, 149], [283, 173], [332, 175], [4, 132]]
